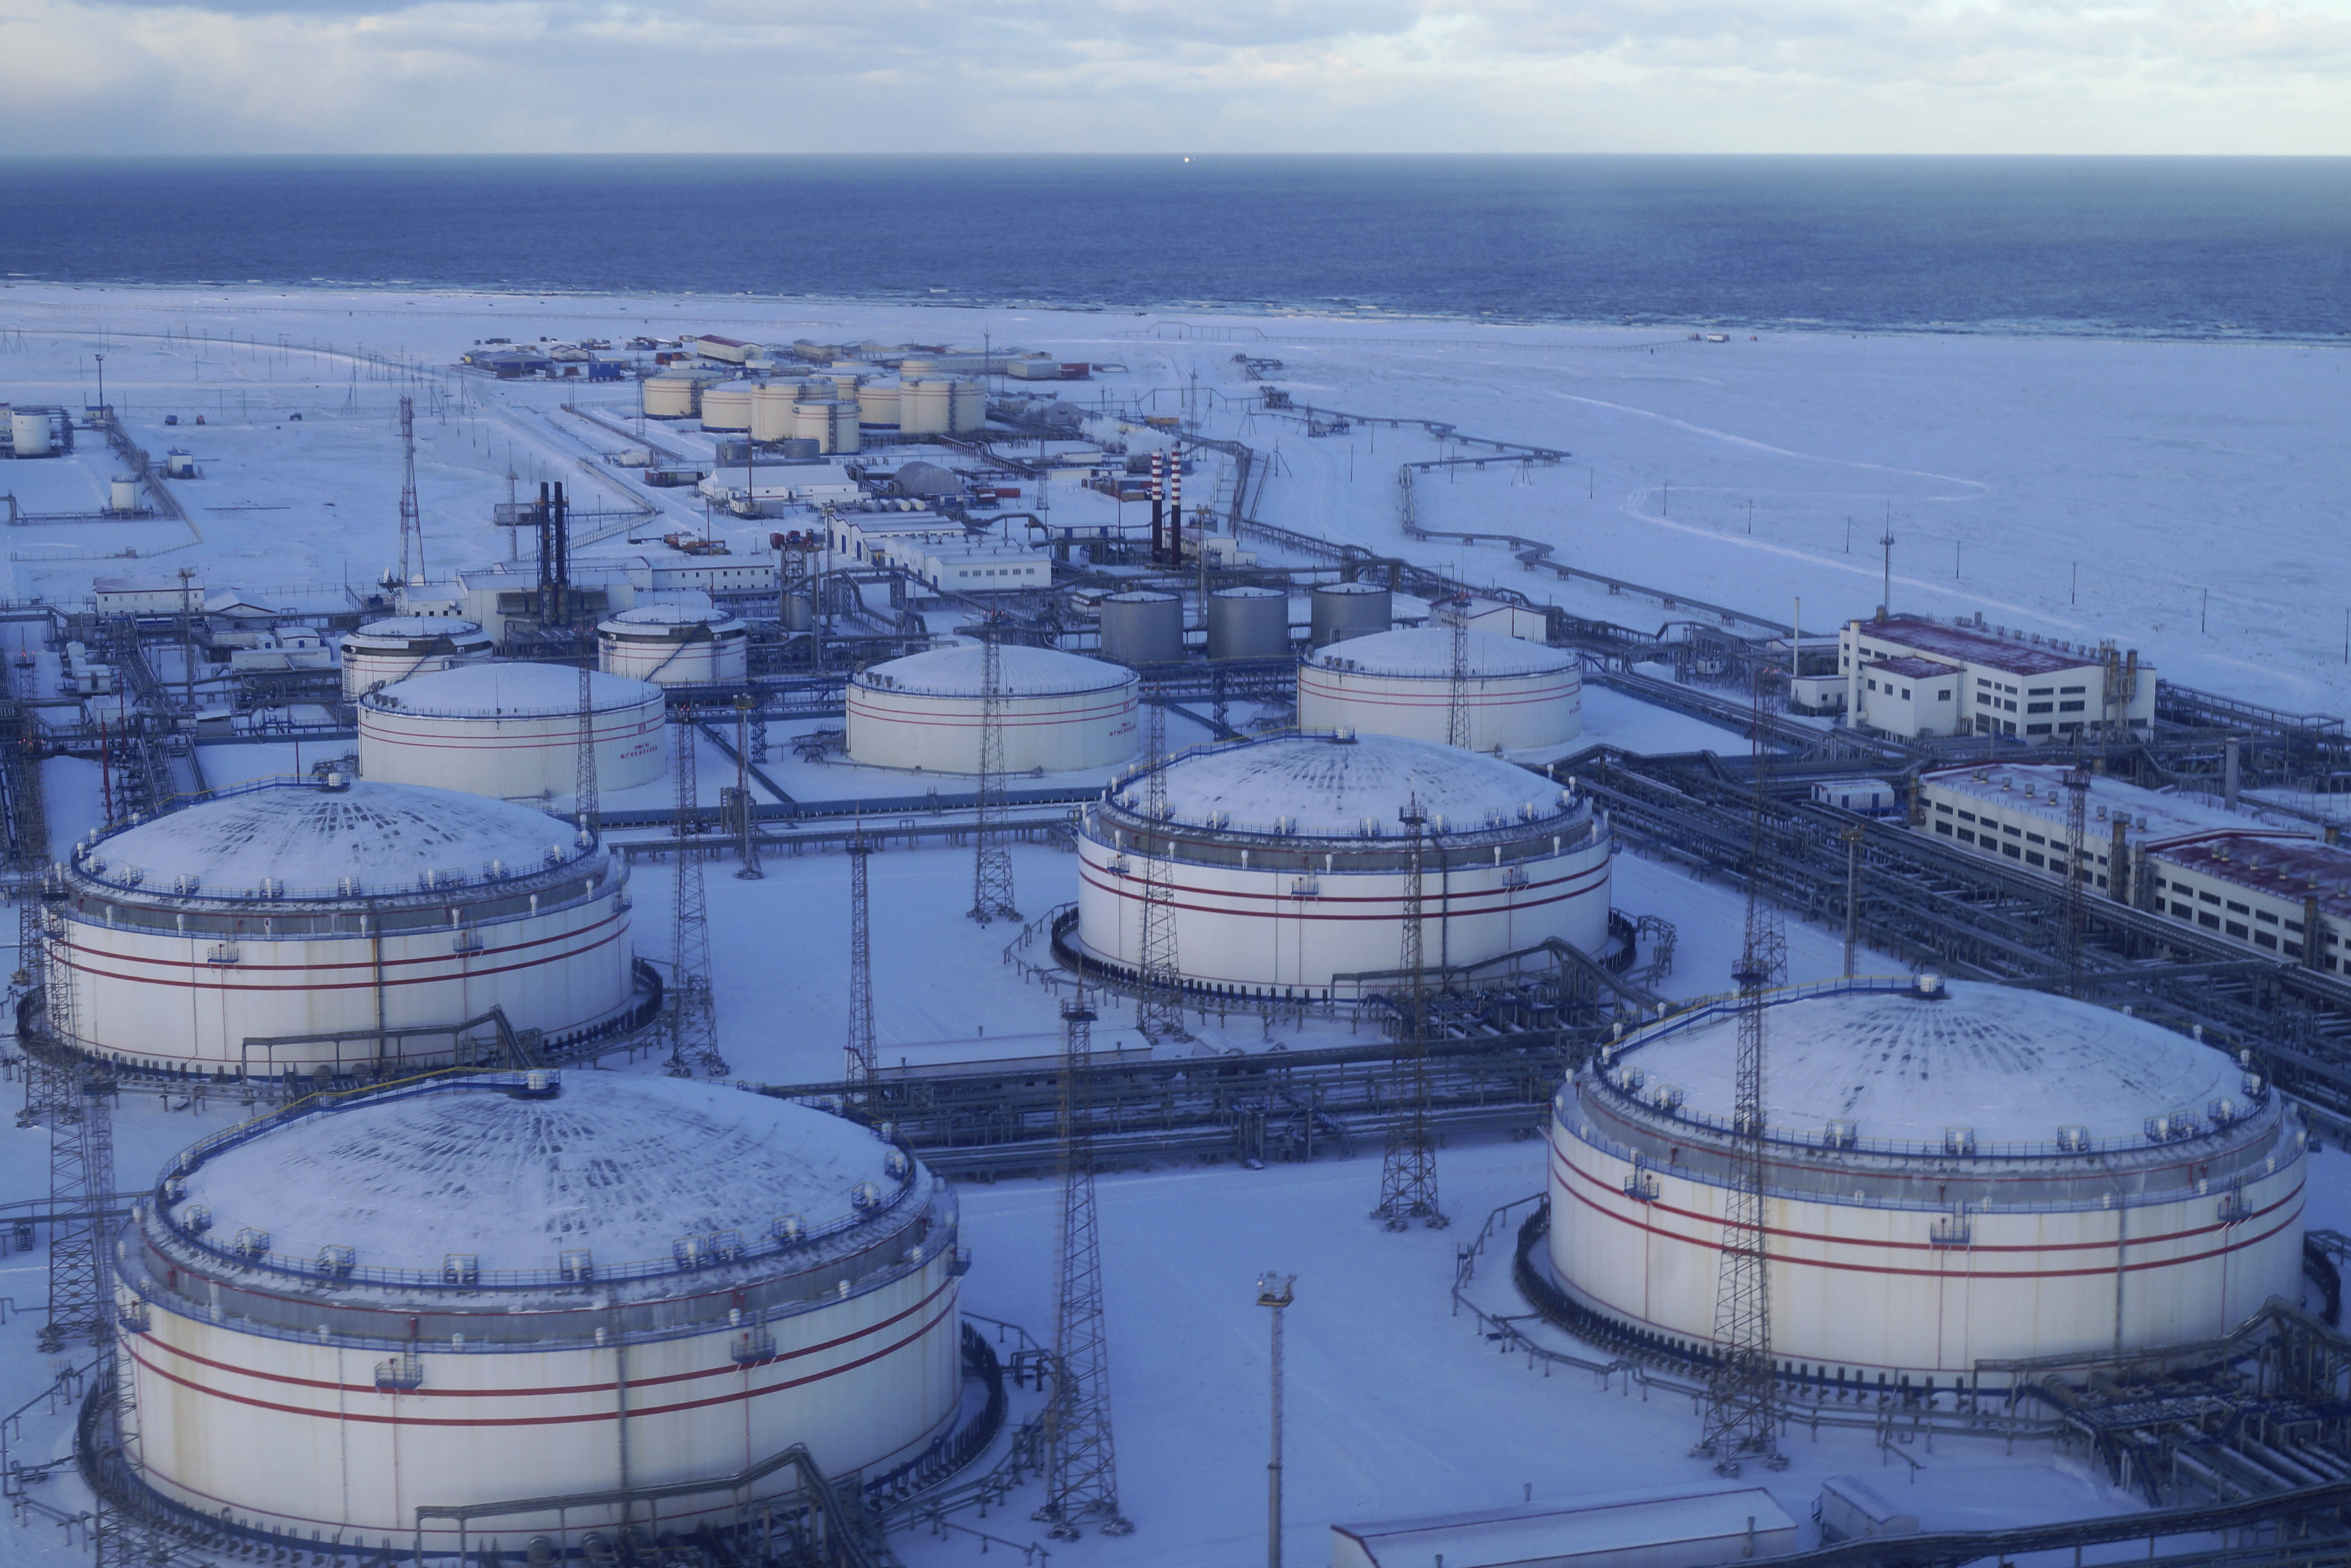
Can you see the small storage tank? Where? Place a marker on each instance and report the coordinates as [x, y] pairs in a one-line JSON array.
[[1517, 695], [1248, 622], [385, 651], [123, 496], [274, 928], [813, 422], [969, 404], [728, 406], [1142, 628], [926, 408], [1289, 866], [877, 403], [510, 729], [1956, 1175], [29, 433], [845, 437], [772, 410], [506, 1286], [1342, 610], [1061, 712], [672, 396], [675, 645]]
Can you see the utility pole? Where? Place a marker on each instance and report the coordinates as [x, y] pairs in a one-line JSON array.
[[991, 868], [694, 1021], [746, 824], [1409, 1166], [1742, 1392], [412, 522], [1081, 1462], [1159, 1000], [1852, 834], [1885, 594], [1457, 711], [1277, 1292], [861, 967]]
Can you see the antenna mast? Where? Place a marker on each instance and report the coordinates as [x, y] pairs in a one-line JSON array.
[[411, 524], [1081, 1464], [1159, 1005], [693, 1019], [1408, 1167], [991, 868], [1742, 1392]]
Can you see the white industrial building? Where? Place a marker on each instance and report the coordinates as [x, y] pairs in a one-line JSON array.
[[1061, 712], [1956, 1174], [605, 584], [510, 731], [495, 1290], [1912, 676], [150, 594], [785, 481], [389, 650], [1287, 861], [675, 645], [2289, 898], [292, 927], [1518, 696]]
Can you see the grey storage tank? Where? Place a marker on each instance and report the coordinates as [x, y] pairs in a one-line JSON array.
[[1142, 628], [1249, 623], [1342, 610]]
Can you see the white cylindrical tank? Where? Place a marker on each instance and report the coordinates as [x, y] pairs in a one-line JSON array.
[[926, 408], [1061, 712], [968, 404], [877, 403], [1518, 695], [675, 645], [672, 396], [845, 436], [1143, 626], [1248, 622], [772, 410], [123, 495], [510, 729], [1342, 610], [29, 433], [1955, 1175], [1289, 865], [503, 1287], [813, 422], [385, 651], [728, 406], [277, 929]]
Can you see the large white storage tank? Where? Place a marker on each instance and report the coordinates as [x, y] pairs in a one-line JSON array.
[[968, 404], [728, 406], [1061, 712], [771, 410], [1289, 862], [672, 396], [510, 729], [277, 929], [28, 433], [1957, 1174], [385, 651], [506, 1287], [1519, 695], [675, 645], [877, 403], [926, 408]]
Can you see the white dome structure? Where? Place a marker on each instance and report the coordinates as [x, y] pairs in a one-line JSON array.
[[513, 1288], [1062, 713], [510, 731], [1520, 696], [675, 645], [1288, 861], [1956, 1174], [385, 651], [305, 926]]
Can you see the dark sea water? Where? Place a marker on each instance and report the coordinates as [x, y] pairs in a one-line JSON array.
[[2172, 247]]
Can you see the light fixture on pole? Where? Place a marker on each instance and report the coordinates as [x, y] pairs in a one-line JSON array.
[[1275, 1291]]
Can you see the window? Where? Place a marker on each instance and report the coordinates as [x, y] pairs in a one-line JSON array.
[[1944, 695], [2073, 707], [2183, 910], [2237, 930], [2011, 832], [2012, 851], [2067, 729], [2265, 917], [2032, 859], [2069, 690], [1965, 836], [2262, 939], [2012, 692], [2041, 691], [2209, 898], [1906, 694], [2237, 909], [2036, 707], [2209, 922], [1943, 827], [2036, 838], [2036, 729], [1872, 685], [2010, 707], [1941, 807], [1981, 681], [1967, 816]]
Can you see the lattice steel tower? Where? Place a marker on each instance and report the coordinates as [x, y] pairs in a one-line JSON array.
[[693, 1020], [1457, 711], [1159, 1000], [1081, 1462], [1743, 1391], [1408, 1167], [992, 867], [412, 522], [583, 780], [861, 967]]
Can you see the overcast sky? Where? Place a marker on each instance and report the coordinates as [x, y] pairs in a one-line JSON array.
[[1213, 75]]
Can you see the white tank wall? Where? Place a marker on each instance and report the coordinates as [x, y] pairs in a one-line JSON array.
[[877, 403], [367, 667], [30, 434], [1253, 928], [154, 997], [727, 407], [1863, 1289], [772, 410], [926, 408], [511, 756], [297, 1433], [1510, 712], [672, 397], [723, 659], [1061, 732]]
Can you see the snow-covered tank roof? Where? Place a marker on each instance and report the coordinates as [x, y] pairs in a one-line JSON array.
[[955, 671], [1427, 650], [621, 1165], [1326, 786], [659, 617], [308, 837], [510, 692], [2011, 1066], [405, 627]]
